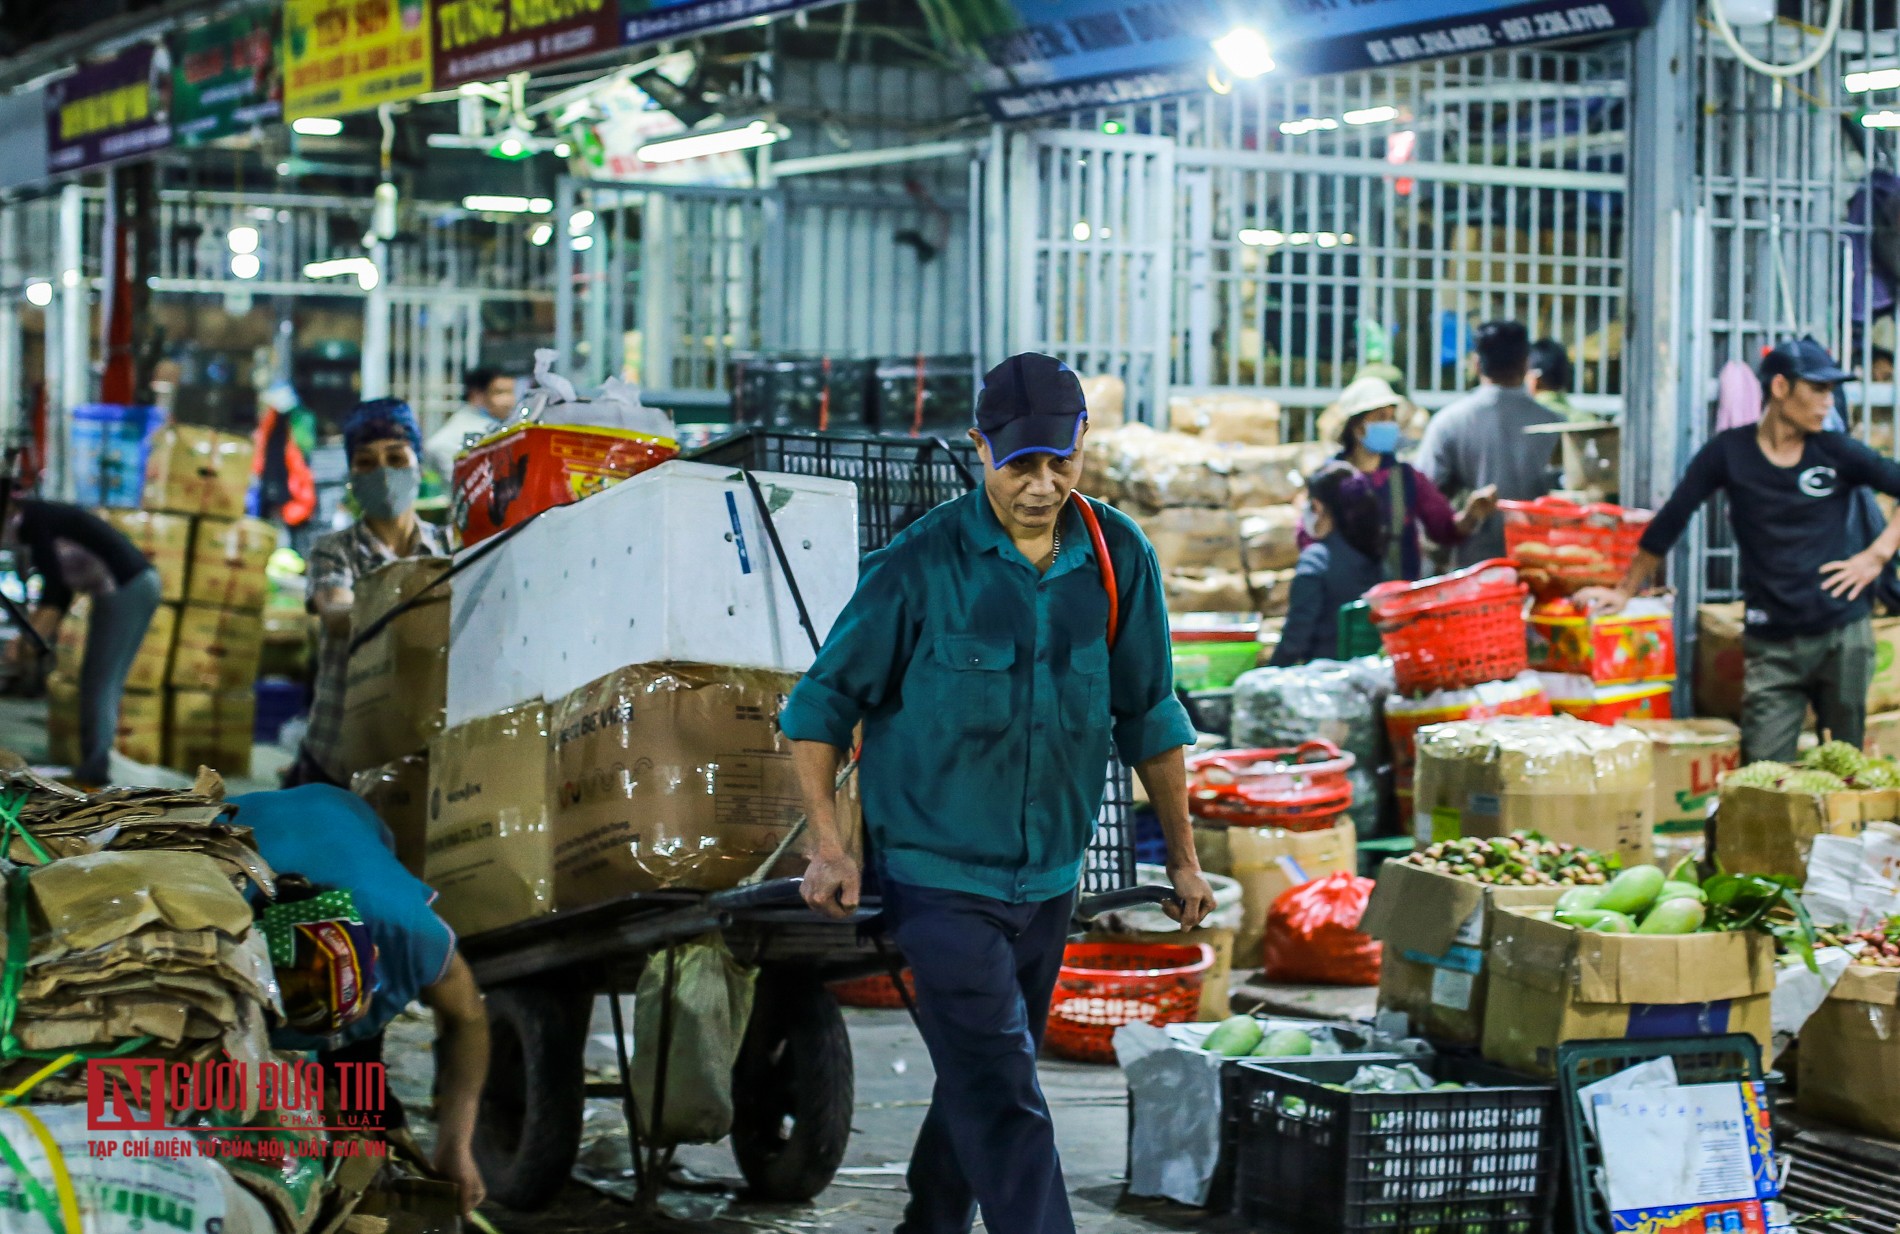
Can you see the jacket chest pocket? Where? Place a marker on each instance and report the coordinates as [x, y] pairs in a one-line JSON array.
[[979, 680], [1085, 688]]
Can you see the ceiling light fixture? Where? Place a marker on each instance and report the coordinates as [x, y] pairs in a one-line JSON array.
[[542, 233], [1880, 120], [1872, 79], [245, 265], [242, 239], [1372, 115], [39, 293], [1312, 124], [316, 126], [496, 203], [720, 139], [1244, 51]]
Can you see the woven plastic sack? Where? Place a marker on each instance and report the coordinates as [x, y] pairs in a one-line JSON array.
[[1341, 701], [1313, 934], [712, 1000]]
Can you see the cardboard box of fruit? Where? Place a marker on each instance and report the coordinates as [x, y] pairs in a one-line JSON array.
[[1850, 1048], [1644, 955], [1433, 911], [1770, 813]]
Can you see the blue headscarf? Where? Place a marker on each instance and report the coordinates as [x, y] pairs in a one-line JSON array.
[[379, 419]]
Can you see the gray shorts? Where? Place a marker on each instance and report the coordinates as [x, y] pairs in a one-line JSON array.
[[1782, 678]]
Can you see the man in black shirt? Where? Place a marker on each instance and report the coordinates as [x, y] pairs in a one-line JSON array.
[[74, 550], [1809, 636]]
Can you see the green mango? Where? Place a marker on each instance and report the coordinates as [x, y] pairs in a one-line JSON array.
[[1680, 891], [1673, 917], [1602, 920], [1584, 897], [1633, 890], [1284, 1043], [1234, 1037]]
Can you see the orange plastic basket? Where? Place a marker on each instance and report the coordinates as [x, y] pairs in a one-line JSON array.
[[1560, 546], [1301, 789], [875, 990], [1453, 631], [1103, 986]]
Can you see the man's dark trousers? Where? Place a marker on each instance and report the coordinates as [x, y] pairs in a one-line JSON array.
[[984, 971]]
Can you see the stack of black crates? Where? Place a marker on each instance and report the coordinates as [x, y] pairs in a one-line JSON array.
[[913, 395]]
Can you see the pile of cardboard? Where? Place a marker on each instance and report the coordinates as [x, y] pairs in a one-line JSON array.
[[1216, 496], [67, 823], [190, 697]]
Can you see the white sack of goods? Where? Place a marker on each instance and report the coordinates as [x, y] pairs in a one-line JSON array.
[[1270, 537], [1237, 419], [1193, 538]]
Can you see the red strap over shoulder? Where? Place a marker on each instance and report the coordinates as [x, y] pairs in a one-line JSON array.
[[1103, 561]]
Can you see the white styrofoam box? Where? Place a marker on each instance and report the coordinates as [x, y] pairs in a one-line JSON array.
[[673, 564]]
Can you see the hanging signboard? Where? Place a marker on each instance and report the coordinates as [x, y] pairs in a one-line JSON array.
[[485, 40], [350, 55], [109, 110], [648, 21], [225, 78], [1048, 56]]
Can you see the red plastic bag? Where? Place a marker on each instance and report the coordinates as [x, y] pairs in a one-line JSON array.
[[1313, 933]]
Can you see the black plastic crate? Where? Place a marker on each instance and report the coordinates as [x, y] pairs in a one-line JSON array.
[[899, 479], [926, 394], [1109, 864], [1476, 1160], [811, 392]]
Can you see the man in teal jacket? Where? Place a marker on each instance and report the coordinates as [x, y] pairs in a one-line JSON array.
[[976, 654]]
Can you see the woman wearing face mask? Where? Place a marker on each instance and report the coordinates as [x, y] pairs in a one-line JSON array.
[[385, 446], [1408, 499], [1348, 533]]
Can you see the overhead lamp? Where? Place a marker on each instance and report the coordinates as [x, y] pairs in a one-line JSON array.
[[1372, 115], [579, 221], [1244, 51], [542, 233], [316, 126], [495, 203], [1872, 79], [1880, 120], [719, 139], [245, 265], [1326, 239], [1312, 124], [243, 241], [512, 143], [1080, 231], [39, 293], [562, 150], [580, 244], [367, 275]]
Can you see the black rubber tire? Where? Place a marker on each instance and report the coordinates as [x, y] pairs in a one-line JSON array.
[[528, 1131], [793, 1089]]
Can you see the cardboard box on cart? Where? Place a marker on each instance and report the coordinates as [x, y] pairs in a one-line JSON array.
[[1573, 781], [1436, 927], [1850, 1053], [671, 775], [397, 681], [399, 793], [487, 850], [1550, 983]]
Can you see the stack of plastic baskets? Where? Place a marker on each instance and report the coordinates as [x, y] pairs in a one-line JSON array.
[[1453, 631]]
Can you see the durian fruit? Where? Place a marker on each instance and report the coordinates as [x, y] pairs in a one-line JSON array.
[[1765, 774], [1876, 773], [1813, 780], [1837, 757]]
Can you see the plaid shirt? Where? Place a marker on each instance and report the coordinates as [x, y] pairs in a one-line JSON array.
[[338, 560]]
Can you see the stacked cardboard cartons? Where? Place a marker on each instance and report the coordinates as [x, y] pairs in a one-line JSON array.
[[395, 689], [188, 699]]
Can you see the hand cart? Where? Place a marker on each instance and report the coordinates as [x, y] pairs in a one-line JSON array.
[[793, 1080]]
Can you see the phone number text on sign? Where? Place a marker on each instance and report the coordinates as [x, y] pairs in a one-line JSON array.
[[1479, 36]]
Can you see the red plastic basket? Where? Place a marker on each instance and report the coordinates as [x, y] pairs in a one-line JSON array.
[[1103, 986], [1560, 546], [875, 990], [1301, 789], [1453, 631]]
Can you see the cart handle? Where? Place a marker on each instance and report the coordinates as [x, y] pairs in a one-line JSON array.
[[1128, 897], [768, 894]]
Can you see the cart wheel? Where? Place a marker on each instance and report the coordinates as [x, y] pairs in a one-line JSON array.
[[528, 1131], [793, 1089]]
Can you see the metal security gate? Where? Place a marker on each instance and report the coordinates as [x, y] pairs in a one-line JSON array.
[[1090, 257], [666, 285], [435, 338], [1325, 222]]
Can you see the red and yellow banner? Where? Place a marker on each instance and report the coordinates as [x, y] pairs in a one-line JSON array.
[[350, 55]]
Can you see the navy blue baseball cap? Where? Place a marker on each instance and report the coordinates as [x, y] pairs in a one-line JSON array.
[[1803, 358], [1031, 404]]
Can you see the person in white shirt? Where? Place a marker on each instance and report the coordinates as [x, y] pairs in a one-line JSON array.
[[488, 398]]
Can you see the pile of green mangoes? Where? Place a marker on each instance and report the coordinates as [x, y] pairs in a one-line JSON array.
[[1640, 900], [1242, 1036], [1521, 859], [1831, 767]]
